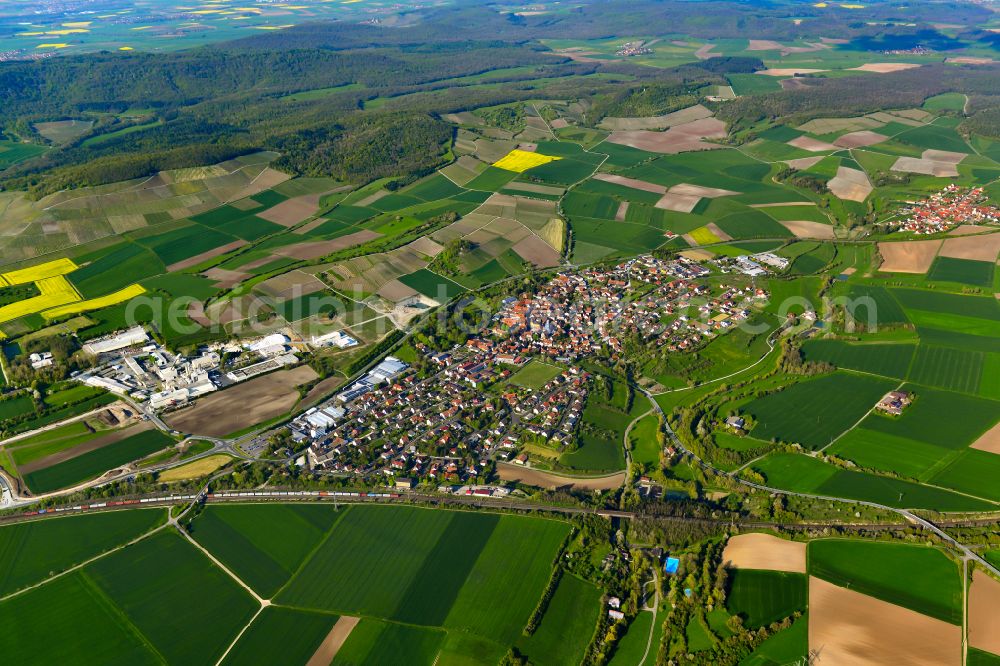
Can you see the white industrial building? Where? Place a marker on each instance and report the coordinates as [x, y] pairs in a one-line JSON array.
[[134, 336], [335, 339]]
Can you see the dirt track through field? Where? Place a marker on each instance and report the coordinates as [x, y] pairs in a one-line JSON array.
[[850, 628], [335, 640], [908, 256], [984, 613], [534, 477], [765, 551]]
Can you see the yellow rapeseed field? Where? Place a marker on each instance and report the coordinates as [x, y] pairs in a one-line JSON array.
[[704, 236], [55, 291], [520, 161], [79, 306], [39, 272]]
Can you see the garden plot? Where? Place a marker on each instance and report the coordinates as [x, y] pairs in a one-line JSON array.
[[850, 184], [908, 256], [682, 138], [940, 163], [765, 551], [692, 113], [852, 628]]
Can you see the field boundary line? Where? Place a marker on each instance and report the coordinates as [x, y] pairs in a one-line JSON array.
[[81, 565], [341, 511], [99, 595], [240, 635], [261, 600]]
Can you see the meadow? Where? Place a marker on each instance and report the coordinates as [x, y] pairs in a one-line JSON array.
[[815, 412], [565, 629], [535, 375], [763, 597], [921, 578]]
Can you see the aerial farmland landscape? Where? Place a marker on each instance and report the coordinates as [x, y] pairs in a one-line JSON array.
[[482, 332]]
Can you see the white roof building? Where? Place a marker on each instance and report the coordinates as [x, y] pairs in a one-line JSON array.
[[133, 336]]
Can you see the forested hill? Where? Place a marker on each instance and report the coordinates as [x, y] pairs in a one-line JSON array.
[[382, 90]]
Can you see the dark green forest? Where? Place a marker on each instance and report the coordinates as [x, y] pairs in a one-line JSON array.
[[387, 87]]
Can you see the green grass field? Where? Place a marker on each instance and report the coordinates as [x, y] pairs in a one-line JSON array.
[[431, 284], [632, 645], [801, 473], [264, 544], [94, 463], [816, 411], [964, 271], [535, 375], [763, 597], [30, 552], [788, 646], [566, 628], [889, 360], [920, 578]]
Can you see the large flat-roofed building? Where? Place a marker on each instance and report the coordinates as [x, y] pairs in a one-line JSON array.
[[130, 338]]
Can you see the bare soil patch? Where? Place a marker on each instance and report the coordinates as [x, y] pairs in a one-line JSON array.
[[946, 156], [396, 291], [809, 229], [714, 228], [335, 640], [372, 198], [705, 52], [783, 204], [674, 119], [976, 248], [534, 477], [699, 191], [633, 183], [860, 139], [967, 229], [680, 203], [204, 256], [990, 441], [426, 246], [292, 211], [196, 313], [793, 84], [315, 250], [984, 612], [764, 45], [323, 388], [885, 67], [293, 283], [559, 123], [850, 184], [765, 551], [245, 404], [535, 187], [811, 144], [621, 212], [908, 256], [848, 627], [682, 138], [697, 255], [537, 251], [790, 71], [267, 179], [966, 60], [926, 167], [803, 162], [224, 278]]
